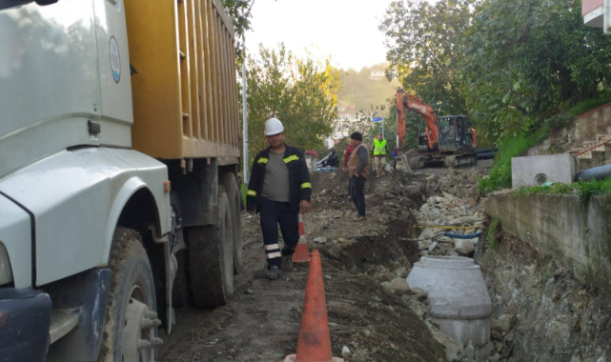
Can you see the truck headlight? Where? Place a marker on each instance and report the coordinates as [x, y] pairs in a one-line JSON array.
[[6, 276]]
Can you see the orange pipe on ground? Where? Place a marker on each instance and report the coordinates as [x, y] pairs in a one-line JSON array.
[[314, 344]]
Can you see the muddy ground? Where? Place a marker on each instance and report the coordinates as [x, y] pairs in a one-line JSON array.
[[262, 321], [540, 311]]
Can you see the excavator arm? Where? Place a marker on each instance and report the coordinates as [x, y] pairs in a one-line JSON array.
[[417, 106]]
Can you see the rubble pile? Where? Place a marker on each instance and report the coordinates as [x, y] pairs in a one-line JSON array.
[[442, 214]]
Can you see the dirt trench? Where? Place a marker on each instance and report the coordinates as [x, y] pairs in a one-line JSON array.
[[541, 312], [262, 321]]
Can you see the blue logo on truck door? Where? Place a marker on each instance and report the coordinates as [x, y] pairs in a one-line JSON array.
[[115, 60]]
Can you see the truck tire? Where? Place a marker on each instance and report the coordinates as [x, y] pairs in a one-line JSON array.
[[130, 333], [210, 250], [228, 180]]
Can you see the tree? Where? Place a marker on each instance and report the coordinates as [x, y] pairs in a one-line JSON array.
[[524, 59], [423, 41], [302, 93]]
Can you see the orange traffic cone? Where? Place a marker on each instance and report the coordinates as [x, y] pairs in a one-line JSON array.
[[301, 255], [314, 344]]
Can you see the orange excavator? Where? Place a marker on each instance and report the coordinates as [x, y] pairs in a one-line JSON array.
[[448, 140]]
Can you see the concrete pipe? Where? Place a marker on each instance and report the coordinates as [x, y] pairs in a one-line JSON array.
[[459, 300]]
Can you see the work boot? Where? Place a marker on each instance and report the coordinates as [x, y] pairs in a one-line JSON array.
[[273, 273], [359, 218], [287, 263]]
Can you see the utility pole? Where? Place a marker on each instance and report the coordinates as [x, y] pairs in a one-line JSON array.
[[244, 100]]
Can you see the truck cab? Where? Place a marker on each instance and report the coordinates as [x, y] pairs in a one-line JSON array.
[[93, 233]]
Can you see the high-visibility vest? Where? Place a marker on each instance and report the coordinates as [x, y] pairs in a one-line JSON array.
[[379, 148]]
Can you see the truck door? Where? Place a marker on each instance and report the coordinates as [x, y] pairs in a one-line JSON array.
[[114, 72]]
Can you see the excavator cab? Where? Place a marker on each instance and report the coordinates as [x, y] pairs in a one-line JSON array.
[[454, 134]]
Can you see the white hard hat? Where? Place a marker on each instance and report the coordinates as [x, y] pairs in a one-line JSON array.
[[273, 126]]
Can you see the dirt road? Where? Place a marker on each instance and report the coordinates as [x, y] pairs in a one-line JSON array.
[[262, 321]]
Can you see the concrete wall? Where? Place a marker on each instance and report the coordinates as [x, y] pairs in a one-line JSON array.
[[577, 235], [584, 128], [589, 124]]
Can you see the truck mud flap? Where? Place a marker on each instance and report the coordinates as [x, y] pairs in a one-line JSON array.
[[25, 316]]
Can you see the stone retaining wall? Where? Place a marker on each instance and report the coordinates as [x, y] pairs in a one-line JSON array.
[[577, 235], [585, 128]]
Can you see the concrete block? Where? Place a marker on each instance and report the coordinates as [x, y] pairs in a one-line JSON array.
[[536, 170]]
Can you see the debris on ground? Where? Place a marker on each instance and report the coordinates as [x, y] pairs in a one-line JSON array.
[[373, 313]]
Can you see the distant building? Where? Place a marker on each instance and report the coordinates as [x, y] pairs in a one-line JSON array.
[[377, 74], [593, 12]]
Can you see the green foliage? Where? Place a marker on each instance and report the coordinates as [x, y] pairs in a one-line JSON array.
[[587, 189], [522, 59], [584, 189], [490, 234], [423, 41], [302, 93], [510, 65], [554, 189], [590, 104]]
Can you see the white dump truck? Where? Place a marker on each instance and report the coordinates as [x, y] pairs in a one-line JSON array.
[[119, 157]]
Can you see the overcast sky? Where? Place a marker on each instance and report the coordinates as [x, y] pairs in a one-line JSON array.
[[346, 30]]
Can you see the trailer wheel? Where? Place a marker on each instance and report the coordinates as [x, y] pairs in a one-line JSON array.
[[228, 180], [130, 333], [210, 250]]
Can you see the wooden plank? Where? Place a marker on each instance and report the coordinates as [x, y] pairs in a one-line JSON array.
[[194, 70], [229, 72], [185, 86], [210, 109], [224, 92], [223, 62], [203, 113], [227, 20], [216, 75], [234, 91]]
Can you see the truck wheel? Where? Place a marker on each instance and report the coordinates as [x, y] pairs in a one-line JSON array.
[[130, 333], [228, 180], [210, 251]]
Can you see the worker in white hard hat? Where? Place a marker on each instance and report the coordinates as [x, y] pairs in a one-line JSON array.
[[279, 188]]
